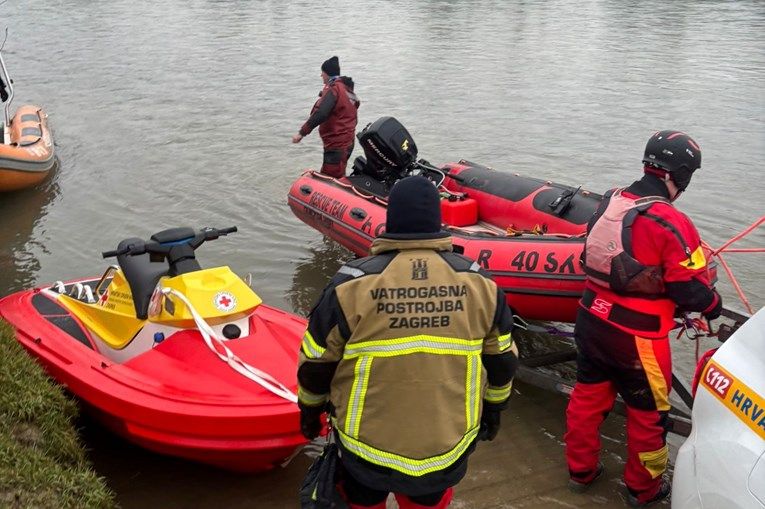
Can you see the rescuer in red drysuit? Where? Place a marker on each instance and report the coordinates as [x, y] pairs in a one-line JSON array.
[[335, 112], [644, 262]]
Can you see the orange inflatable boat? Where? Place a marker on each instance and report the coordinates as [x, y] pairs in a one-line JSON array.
[[26, 147]]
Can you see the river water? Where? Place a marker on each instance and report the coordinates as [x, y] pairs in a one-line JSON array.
[[181, 112]]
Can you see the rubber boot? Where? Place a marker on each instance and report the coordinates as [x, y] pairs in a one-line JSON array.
[[644, 500], [580, 485]]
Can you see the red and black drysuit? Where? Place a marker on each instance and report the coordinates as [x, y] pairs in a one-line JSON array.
[[335, 112], [623, 345]]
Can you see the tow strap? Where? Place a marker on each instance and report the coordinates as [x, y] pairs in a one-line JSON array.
[[219, 348]]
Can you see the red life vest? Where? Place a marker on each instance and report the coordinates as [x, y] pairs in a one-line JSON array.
[[620, 289], [339, 129]]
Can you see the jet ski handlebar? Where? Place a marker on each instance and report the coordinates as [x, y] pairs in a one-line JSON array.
[[163, 241]]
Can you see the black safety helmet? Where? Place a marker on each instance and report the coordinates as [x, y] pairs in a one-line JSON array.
[[674, 152]]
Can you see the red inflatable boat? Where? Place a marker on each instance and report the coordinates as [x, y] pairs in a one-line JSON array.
[[527, 232], [199, 368]]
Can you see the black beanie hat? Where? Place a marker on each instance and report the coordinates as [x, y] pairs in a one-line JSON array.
[[414, 207], [331, 66]]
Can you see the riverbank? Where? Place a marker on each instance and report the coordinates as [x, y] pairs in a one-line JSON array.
[[42, 460]]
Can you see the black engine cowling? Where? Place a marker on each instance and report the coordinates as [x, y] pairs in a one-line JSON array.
[[388, 147]]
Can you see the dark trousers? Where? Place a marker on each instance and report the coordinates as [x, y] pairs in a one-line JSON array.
[[360, 495], [335, 160], [610, 362]]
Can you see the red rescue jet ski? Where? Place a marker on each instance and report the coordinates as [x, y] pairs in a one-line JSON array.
[[181, 360]]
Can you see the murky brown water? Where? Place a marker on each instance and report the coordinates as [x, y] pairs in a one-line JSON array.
[[180, 113]]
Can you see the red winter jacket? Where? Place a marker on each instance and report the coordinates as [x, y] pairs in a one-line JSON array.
[[335, 113]]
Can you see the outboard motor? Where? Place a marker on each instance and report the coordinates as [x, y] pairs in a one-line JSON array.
[[389, 149]]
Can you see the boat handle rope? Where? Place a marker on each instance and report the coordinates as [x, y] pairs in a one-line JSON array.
[[717, 253], [696, 328], [237, 364]]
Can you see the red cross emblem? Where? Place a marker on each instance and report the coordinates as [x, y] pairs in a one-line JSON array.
[[224, 301]]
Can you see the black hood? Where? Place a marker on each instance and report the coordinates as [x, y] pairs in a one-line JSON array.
[[347, 81]]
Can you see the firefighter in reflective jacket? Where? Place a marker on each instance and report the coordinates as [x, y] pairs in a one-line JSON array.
[[412, 349], [644, 262], [335, 112]]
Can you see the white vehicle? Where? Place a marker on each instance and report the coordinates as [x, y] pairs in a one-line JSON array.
[[722, 463]]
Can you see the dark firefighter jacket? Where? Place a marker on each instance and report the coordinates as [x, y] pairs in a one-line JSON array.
[[335, 112], [408, 345]]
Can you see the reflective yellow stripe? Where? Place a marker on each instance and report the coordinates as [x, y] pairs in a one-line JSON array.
[[311, 399], [358, 393], [696, 261], [406, 339], [413, 344], [740, 399], [408, 466], [311, 349], [468, 402], [653, 373], [472, 388], [505, 341], [498, 394], [655, 461]]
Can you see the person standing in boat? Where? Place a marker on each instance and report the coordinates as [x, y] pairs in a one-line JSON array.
[[410, 350], [644, 261], [336, 114]]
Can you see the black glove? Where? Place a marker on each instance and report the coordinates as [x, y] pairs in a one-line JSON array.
[[715, 311], [489, 424], [310, 421]]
